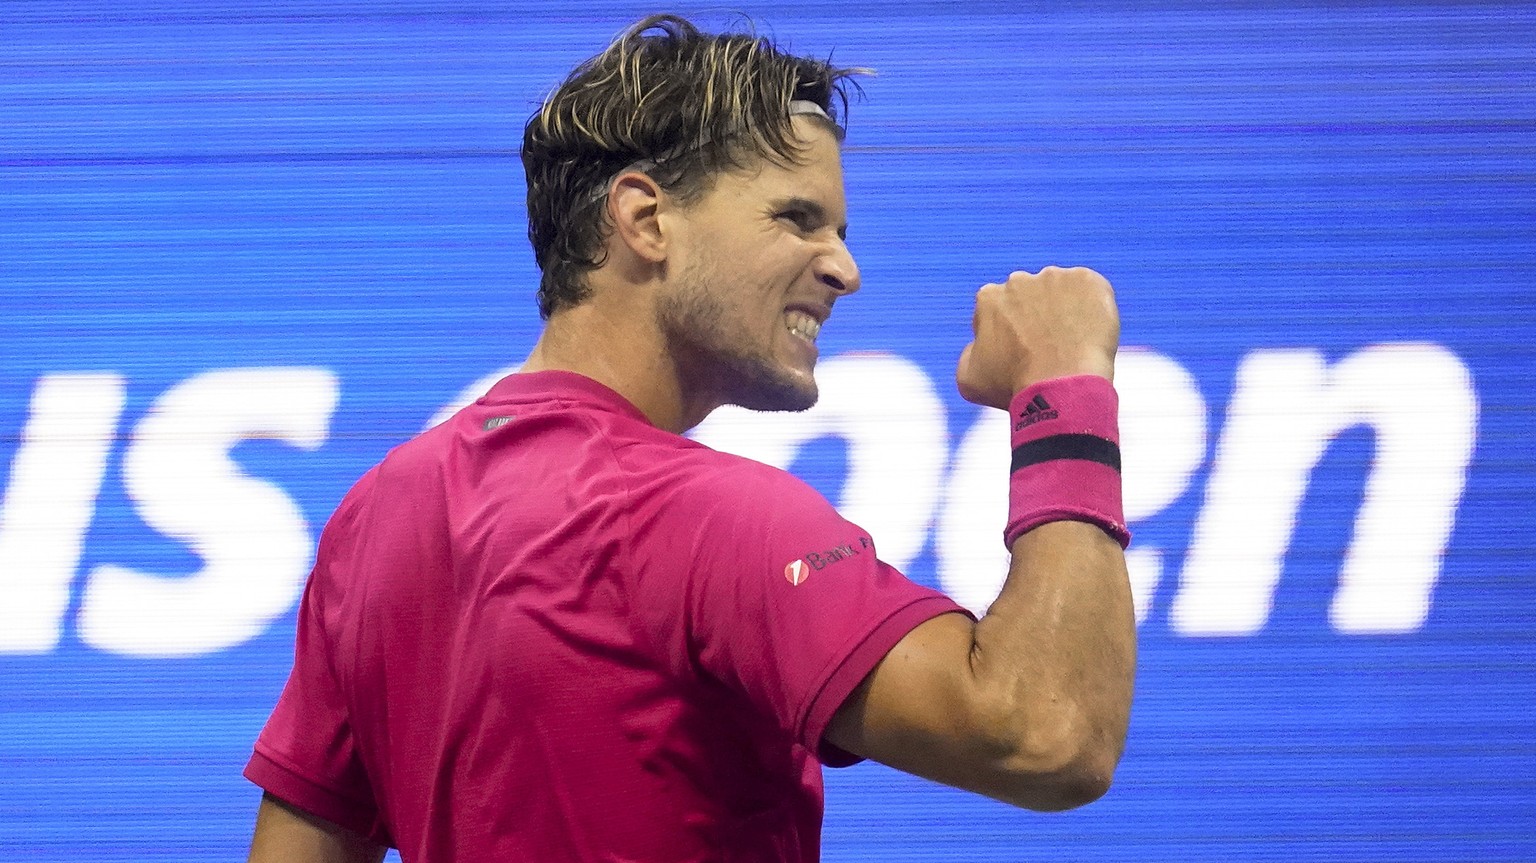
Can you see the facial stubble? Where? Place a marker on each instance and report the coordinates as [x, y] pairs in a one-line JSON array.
[[710, 358]]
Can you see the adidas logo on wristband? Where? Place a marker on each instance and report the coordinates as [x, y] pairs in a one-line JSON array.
[[1035, 410]]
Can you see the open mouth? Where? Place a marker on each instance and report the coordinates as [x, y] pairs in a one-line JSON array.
[[802, 325]]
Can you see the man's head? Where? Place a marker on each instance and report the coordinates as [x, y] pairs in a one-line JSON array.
[[681, 105]]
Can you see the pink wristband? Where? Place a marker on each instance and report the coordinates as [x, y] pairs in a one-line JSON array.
[[1066, 457]]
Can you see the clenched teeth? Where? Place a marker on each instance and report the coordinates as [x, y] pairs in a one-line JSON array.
[[803, 325]]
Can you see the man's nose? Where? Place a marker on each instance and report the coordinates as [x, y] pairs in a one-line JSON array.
[[837, 268]]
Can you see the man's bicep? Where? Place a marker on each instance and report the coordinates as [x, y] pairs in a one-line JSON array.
[[286, 834], [917, 711]]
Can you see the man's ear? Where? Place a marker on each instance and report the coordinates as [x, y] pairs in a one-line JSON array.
[[634, 204]]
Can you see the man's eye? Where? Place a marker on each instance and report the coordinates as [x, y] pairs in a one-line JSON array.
[[800, 219]]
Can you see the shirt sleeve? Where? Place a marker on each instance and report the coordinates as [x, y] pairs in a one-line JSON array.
[[788, 602], [306, 754]]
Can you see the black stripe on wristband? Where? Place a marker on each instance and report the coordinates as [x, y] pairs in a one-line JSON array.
[[1083, 447]]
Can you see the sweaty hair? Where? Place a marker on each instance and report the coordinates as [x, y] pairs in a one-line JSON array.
[[684, 104]]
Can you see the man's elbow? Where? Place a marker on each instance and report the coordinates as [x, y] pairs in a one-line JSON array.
[[1063, 768], [1059, 792]]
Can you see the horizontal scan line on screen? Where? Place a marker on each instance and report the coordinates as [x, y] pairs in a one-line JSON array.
[[906, 483]]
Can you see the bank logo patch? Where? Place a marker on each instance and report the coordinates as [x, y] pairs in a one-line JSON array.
[[799, 570]]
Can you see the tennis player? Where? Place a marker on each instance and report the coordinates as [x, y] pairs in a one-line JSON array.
[[554, 629]]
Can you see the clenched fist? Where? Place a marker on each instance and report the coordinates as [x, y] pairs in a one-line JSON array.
[[1037, 326]]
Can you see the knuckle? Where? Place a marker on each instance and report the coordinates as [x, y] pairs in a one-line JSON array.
[[1093, 276], [1021, 277]]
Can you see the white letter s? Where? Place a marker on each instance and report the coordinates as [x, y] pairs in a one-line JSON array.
[[252, 537]]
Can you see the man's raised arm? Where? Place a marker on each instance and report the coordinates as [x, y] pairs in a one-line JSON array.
[[1031, 704]]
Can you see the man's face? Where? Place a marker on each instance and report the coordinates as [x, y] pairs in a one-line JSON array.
[[759, 260]]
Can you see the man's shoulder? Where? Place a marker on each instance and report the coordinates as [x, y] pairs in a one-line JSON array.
[[701, 470], [658, 469], [702, 492]]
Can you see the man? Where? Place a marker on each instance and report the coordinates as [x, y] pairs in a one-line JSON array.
[[553, 628]]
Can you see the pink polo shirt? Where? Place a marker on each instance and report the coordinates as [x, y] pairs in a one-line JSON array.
[[546, 630]]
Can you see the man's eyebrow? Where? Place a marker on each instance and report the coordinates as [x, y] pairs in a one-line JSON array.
[[812, 208]]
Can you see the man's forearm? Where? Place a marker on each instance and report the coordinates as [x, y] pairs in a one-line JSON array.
[[1058, 646]]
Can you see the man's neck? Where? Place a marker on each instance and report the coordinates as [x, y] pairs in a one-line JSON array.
[[620, 349]]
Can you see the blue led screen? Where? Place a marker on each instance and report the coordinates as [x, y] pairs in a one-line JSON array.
[[246, 250]]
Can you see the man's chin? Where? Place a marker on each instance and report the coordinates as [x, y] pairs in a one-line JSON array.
[[778, 395]]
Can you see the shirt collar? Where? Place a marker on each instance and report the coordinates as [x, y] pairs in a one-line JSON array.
[[558, 384]]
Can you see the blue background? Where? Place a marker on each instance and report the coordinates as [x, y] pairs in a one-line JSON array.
[[187, 187]]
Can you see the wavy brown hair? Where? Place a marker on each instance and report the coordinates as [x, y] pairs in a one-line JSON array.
[[683, 104]]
